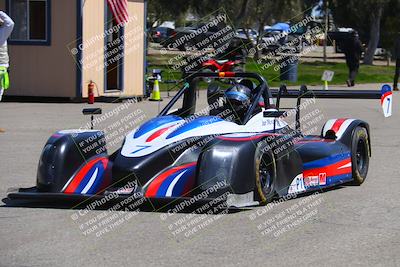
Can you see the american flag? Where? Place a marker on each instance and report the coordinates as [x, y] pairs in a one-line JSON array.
[[119, 8]]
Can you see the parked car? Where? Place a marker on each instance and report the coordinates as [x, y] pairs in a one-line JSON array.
[[253, 34], [279, 37], [194, 38], [162, 34]]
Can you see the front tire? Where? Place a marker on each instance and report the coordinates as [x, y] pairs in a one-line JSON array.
[[265, 174], [359, 155]]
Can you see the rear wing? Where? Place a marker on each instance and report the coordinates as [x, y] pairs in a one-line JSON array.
[[343, 94], [383, 95]]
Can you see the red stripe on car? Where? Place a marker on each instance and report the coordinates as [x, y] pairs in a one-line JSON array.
[[157, 134], [338, 123], [80, 175]]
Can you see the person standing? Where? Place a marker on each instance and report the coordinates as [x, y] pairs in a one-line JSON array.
[[397, 57], [352, 49], [6, 27]]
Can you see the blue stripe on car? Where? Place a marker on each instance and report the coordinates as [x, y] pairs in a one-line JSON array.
[[338, 179], [199, 122], [99, 180], [86, 179], [183, 181], [326, 161], [162, 191]]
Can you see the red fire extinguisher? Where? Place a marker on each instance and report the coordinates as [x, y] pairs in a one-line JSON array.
[[91, 92]]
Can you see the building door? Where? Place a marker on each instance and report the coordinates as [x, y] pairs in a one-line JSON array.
[[114, 53]]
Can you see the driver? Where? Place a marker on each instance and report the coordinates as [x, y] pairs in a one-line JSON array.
[[237, 102]]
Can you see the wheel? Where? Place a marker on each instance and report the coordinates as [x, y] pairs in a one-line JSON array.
[[359, 155], [265, 174]]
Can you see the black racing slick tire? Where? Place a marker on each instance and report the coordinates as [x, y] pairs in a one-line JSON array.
[[265, 173], [359, 155]]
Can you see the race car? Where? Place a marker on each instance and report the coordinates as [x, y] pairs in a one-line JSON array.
[[239, 148]]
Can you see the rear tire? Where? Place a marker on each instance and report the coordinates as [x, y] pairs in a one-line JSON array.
[[359, 155], [265, 174]]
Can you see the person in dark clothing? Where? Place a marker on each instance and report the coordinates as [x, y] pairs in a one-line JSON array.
[[397, 57], [352, 49]]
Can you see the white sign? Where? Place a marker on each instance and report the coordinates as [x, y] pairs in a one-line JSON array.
[[328, 75]]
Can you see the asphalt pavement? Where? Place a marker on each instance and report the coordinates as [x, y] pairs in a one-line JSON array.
[[347, 226]]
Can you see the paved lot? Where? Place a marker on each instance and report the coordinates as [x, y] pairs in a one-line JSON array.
[[346, 226]]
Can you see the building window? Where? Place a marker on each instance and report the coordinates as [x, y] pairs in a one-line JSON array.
[[32, 21]]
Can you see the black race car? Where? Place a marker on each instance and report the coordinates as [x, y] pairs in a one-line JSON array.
[[239, 148]]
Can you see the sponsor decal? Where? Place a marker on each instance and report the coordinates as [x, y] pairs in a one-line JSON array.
[[315, 180], [322, 178], [311, 181], [297, 185]]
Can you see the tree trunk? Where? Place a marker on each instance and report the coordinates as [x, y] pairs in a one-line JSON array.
[[241, 14], [374, 36]]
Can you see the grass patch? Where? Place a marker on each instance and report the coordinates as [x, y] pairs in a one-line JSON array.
[[309, 73]]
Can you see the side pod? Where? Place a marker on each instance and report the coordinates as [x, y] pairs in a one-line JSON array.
[[231, 161]]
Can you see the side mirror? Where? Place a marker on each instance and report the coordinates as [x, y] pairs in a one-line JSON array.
[[92, 112]]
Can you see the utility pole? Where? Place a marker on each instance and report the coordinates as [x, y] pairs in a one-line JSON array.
[[326, 28]]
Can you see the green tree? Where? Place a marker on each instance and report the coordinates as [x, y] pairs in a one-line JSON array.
[[390, 24], [266, 12], [164, 10], [234, 9], [365, 17]]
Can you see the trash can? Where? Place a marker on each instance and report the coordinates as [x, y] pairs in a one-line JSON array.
[[289, 68]]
